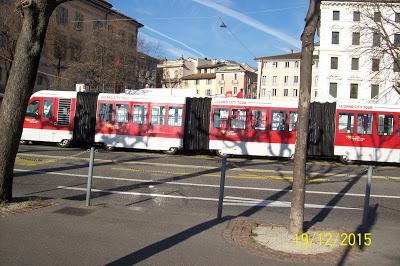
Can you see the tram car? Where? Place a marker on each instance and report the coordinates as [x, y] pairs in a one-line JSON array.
[[366, 132]]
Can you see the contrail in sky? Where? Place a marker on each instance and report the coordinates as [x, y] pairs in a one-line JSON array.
[[250, 21], [176, 41]]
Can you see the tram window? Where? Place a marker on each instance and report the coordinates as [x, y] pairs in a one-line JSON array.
[[105, 113], [238, 118], [346, 123], [278, 122], [292, 121], [258, 119], [364, 124], [33, 109], [157, 115], [220, 118], [385, 125], [121, 113], [139, 114], [48, 109], [175, 116]]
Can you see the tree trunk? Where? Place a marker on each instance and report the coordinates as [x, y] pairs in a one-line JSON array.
[[300, 156], [20, 86]]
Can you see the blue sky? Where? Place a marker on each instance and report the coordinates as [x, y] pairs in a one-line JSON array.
[[192, 27]]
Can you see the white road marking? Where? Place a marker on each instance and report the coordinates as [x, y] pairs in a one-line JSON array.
[[206, 185], [227, 200]]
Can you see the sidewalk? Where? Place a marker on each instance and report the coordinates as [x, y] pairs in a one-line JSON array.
[[70, 234]]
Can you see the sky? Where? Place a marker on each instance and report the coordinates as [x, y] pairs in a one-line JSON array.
[[191, 28]]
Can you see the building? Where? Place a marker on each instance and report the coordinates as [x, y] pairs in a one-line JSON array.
[[172, 71], [70, 26], [354, 61], [279, 76], [223, 77], [232, 78]]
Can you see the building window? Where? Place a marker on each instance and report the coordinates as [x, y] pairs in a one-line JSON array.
[[364, 124], [235, 77], [335, 37], [334, 62], [287, 64], [208, 92], [3, 40], [385, 125], [315, 93], [62, 15], [285, 92], [197, 82], [397, 17], [355, 63], [396, 40], [222, 90], [75, 50], [222, 76], [274, 92], [346, 123], [333, 89], [275, 64], [234, 90], [316, 81], [377, 16], [296, 64], [295, 92], [353, 91], [97, 25], [356, 38], [263, 92], [356, 16], [375, 64], [263, 80], [376, 39], [274, 78], [209, 81], [286, 79], [296, 79], [374, 90], [336, 15], [78, 25]]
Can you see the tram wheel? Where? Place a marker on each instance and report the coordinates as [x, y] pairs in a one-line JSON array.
[[109, 148], [65, 143], [172, 151], [345, 160], [221, 154], [23, 142]]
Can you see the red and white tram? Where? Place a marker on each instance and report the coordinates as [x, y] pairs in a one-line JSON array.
[[254, 127], [366, 132]]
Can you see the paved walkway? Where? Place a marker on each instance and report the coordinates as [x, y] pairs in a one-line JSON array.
[[70, 234]]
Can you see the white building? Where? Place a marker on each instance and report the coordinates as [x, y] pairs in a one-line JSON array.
[[350, 65], [279, 76]]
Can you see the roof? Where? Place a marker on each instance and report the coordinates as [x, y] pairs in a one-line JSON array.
[[199, 76], [291, 56], [210, 65], [51, 93]]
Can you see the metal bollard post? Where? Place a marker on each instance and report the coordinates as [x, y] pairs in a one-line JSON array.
[[221, 188], [367, 196], [90, 175]]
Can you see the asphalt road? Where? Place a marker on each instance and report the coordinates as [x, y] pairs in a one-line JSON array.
[[189, 184]]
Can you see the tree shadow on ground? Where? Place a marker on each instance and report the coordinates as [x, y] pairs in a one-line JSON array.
[[162, 245]]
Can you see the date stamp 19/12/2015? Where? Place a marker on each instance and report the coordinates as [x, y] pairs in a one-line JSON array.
[[330, 239]]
